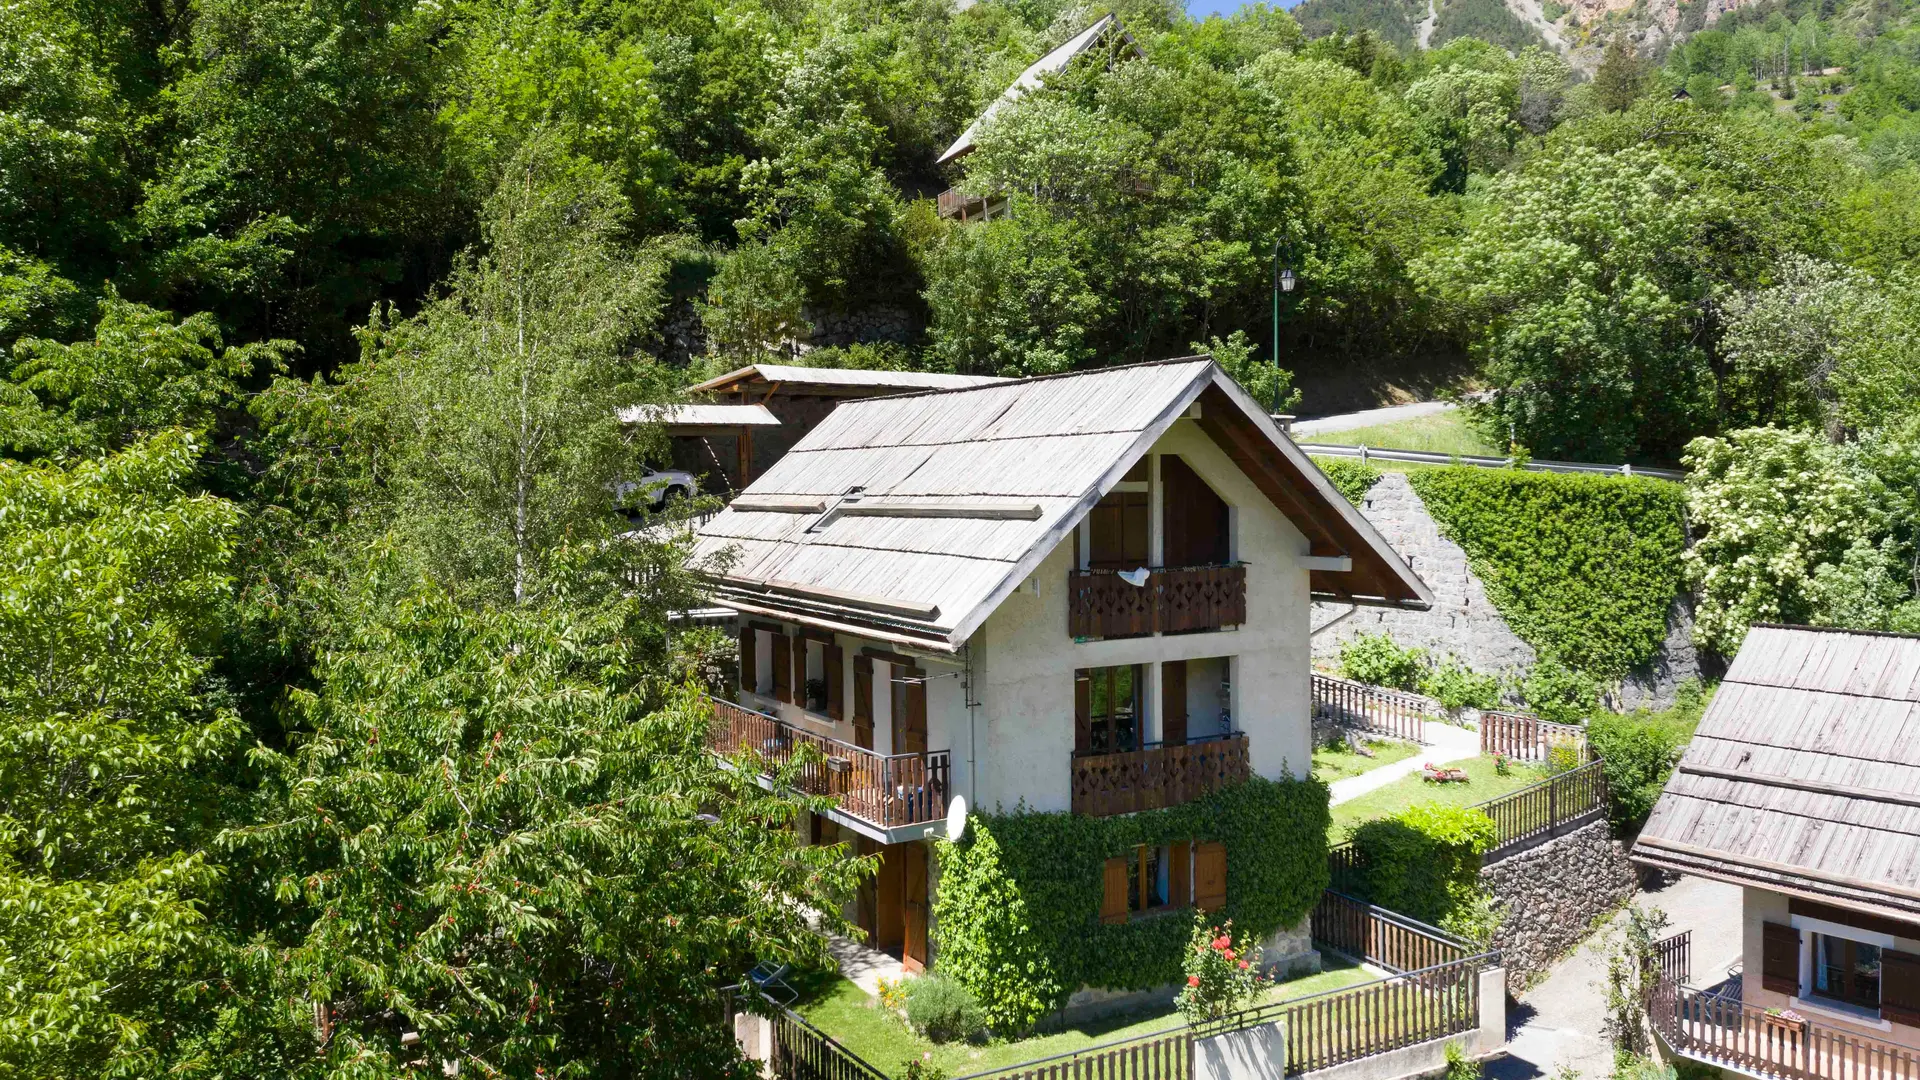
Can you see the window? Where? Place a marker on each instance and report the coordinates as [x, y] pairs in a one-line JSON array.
[[1107, 708], [1846, 971], [1149, 879], [1146, 879], [815, 684]]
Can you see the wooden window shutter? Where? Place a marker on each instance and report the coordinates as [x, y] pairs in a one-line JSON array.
[[1210, 876], [783, 668], [1899, 987], [836, 672], [1082, 711], [1173, 703], [913, 737], [1179, 874], [749, 660], [1113, 891], [863, 702], [1780, 958]]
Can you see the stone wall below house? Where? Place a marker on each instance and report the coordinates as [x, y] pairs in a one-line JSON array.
[[1552, 893]]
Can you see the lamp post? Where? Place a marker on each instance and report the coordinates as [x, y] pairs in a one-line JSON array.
[[1283, 282]]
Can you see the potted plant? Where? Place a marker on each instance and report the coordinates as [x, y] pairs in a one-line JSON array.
[[1786, 1020]]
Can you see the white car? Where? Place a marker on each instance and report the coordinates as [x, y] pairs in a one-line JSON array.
[[653, 490]]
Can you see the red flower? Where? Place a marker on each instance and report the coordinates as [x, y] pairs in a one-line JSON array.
[[1229, 954], [1193, 980], [1223, 942], [1243, 965]]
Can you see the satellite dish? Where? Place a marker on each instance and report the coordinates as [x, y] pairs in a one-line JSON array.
[[956, 817]]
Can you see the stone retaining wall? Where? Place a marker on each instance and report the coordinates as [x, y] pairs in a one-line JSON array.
[[1552, 893]]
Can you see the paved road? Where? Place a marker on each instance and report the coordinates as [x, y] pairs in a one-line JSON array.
[[1558, 1023], [1324, 425]]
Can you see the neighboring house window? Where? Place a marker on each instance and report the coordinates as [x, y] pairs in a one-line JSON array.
[[1825, 961], [1107, 708], [1847, 971], [1147, 879]]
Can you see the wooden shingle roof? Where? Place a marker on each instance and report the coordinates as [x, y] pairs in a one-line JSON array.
[[1804, 775]]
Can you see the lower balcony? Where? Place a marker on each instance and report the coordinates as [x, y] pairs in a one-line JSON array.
[[1157, 776], [1177, 599], [1717, 1028], [883, 791]]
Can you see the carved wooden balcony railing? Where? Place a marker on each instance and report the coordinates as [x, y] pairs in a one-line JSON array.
[[1157, 776], [886, 790], [1101, 603]]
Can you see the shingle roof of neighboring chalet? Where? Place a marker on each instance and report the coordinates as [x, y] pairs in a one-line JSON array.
[[1057, 60], [699, 415], [1804, 774], [829, 380], [964, 492]]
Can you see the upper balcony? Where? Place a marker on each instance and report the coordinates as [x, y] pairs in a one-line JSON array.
[[885, 792], [1102, 604], [1157, 775]]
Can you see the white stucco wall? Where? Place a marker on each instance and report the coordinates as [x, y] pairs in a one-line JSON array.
[[1761, 906], [1025, 660]]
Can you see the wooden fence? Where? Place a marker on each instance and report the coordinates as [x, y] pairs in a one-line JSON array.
[[1372, 708], [1675, 957], [804, 1052], [1727, 1032], [1164, 1055], [888, 790], [1373, 934], [1549, 805], [1525, 737]]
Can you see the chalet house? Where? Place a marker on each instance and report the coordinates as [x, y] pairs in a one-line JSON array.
[[1105, 35], [1802, 786], [1081, 593], [748, 417]]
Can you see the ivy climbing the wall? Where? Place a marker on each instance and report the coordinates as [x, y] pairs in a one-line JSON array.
[[1350, 477], [1584, 568], [1016, 917]]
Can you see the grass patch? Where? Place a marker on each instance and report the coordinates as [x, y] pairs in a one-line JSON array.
[[1482, 784], [1440, 433], [844, 1011], [1338, 763]]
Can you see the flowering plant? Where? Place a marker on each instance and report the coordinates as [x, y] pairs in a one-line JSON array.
[[1223, 975]]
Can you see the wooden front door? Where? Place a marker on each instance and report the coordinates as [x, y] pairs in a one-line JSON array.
[[913, 891], [867, 899], [890, 931]]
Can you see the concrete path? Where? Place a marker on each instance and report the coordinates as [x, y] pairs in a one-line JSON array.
[[1557, 1023], [862, 966], [1323, 425], [1444, 743]]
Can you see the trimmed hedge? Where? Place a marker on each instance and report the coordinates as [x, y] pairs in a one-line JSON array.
[[1017, 915], [1583, 567], [1353, 478], [1425, 860]]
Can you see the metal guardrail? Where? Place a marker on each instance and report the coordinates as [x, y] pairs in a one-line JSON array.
[[1424, 457]]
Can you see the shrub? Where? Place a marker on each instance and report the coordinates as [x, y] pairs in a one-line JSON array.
[[943, 1010], [1425, 860], [893, 993], [1459, 1065], [1456, 686], [1375, 659], [1351, 478], [1223, 973], [1562, 757], [1639, 750], [1558, 693]]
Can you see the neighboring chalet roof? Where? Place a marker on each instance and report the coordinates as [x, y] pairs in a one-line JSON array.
[[1804, 774], [699, 417], [812, 380], [911, 518], [1057, 60]]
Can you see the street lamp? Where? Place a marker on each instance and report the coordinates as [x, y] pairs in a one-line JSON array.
[[1283, 282]]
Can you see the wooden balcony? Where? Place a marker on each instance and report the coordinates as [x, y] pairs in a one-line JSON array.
[[1719, 1029], [1101, 603], [884, 790], [1157, 776]]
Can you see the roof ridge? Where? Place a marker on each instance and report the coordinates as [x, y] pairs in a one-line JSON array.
[[1029, 379]]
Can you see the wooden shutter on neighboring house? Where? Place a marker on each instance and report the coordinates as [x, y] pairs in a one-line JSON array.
[[1210, 876], [1082, 711], [1899, 987], [836, 672], [1780, 958], [1179, 874], [863, 702], [749, 660], [1113, 891], [783, 668]]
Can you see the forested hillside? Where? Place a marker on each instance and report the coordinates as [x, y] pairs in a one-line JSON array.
[[342, 724]]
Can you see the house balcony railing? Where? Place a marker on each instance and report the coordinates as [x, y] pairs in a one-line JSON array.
[[1157, 776], [1101, 603], [886, 790], [1722, 1030]]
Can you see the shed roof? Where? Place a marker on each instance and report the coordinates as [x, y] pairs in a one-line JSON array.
[[837, 380], [959, 494], [700, 416], [1804, 774], [1030, 79]]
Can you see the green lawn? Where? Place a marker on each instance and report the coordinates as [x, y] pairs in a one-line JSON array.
[[844, 1011], [1338, 764], [1482, 784], [1440, 433]]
